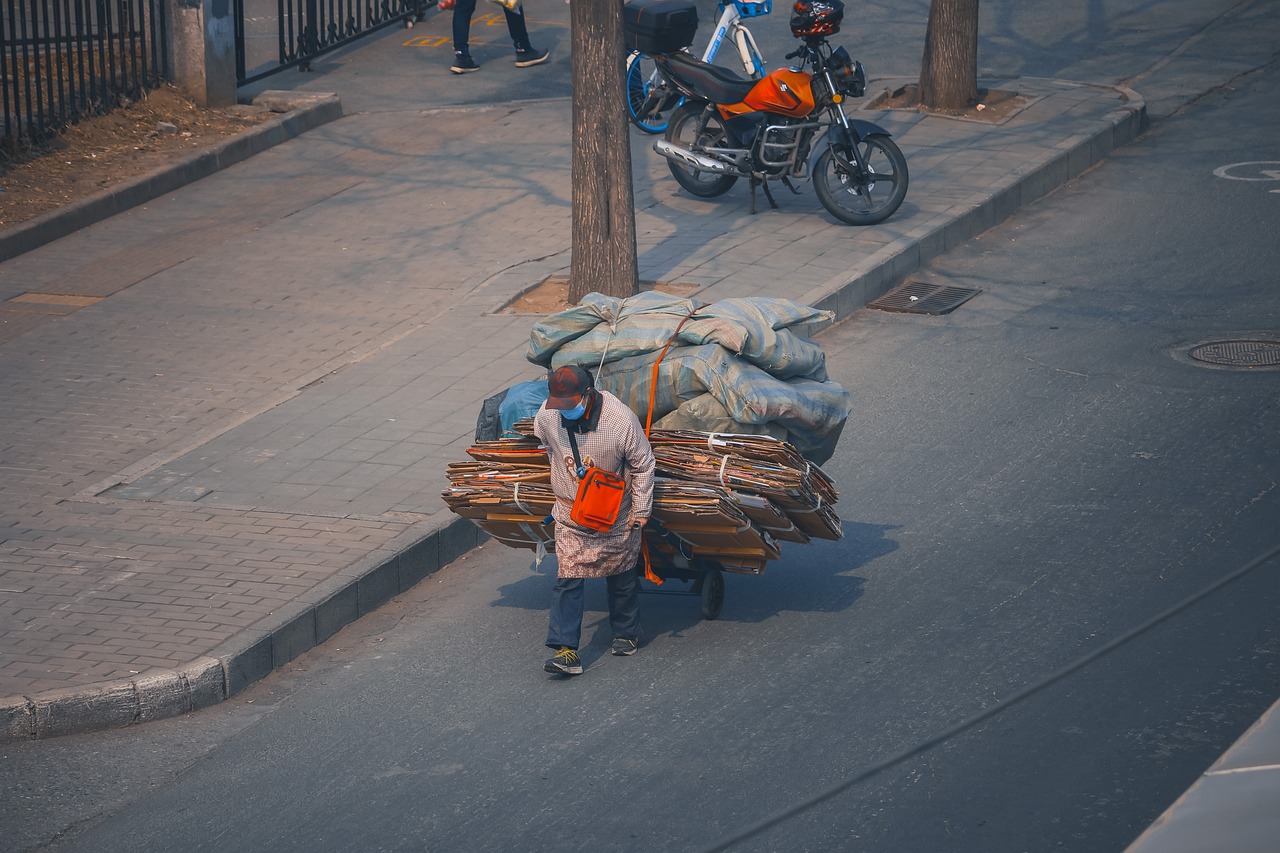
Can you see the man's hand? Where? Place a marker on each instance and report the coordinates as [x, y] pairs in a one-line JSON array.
[[640, 521]]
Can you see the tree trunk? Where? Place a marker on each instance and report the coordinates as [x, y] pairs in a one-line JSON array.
[[604, 215], [949, 73]]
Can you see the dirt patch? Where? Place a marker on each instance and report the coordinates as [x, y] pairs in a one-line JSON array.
[[993, 105], [551, 295], [102, 152]]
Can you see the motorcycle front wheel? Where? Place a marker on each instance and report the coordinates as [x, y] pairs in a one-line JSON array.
[[650, 98], [862, 197], [683, 131]]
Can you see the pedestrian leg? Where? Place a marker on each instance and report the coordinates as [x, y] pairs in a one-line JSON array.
[[565, 629], [462, 61], [516, 27], [624, 611], [462, 26], [526, 53]]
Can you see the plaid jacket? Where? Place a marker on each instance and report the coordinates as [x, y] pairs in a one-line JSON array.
[[617, 444]]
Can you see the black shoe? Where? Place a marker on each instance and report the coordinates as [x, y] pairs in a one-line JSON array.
[[623, 646], [525, 58], [463, 63], [564, 662]]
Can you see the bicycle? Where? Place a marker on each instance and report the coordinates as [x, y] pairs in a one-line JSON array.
[[651, 99]]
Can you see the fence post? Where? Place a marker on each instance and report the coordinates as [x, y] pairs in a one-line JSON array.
[[203, 50]]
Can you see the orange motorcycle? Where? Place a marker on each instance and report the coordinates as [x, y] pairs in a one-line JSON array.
[[788, 126]]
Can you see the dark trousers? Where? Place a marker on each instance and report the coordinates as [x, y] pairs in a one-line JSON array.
[[566, 609], [462, 26]]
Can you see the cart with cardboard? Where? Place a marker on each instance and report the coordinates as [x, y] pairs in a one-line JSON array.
[[722, 503], [740, 413]]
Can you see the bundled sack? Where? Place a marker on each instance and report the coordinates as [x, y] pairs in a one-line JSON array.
[[738, 365], [763, 330], [499, 413]]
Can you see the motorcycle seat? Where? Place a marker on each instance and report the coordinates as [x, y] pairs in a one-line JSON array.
[[712, 82]]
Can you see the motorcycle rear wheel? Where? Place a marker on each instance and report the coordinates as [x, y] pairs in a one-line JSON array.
[[862, 198], [683, 131]]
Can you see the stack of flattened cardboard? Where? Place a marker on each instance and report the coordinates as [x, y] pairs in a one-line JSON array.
[[506, 491], [729, 499], [751, 468], [707, 522]]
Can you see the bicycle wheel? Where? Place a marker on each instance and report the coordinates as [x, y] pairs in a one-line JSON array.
[[684, 133], [650, 99], [857, 197]]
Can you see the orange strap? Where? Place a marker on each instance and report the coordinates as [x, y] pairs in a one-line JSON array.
[[649, 574], [653, 380]]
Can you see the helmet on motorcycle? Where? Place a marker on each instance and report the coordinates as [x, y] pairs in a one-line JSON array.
[[816, 18]]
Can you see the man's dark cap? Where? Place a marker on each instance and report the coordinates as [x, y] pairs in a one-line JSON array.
[[566, 385]]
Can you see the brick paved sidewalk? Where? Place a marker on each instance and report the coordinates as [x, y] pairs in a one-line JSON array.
[[228, 411]]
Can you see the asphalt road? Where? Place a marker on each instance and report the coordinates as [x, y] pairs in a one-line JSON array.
[[1024, 480]]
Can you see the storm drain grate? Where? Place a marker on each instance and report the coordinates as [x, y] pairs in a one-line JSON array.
[[1238, 353], [916, 297]]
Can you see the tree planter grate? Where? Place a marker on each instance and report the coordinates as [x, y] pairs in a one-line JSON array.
[[917, 297]]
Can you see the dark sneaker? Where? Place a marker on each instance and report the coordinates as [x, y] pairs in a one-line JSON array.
[[462, 64], [564, 662], [525, 58], [622, 646]]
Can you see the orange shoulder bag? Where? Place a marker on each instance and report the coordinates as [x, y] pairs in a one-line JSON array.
[[599, 497]]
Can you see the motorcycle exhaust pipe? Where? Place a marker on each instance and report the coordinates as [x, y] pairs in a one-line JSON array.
[[688, 158]]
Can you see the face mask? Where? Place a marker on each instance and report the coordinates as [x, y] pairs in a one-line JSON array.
[[574, 413]]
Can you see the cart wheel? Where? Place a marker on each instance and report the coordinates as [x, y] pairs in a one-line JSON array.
[[712, 593]]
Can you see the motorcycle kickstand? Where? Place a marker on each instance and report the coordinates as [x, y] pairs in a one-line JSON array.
[[786, 182], [757, 182]]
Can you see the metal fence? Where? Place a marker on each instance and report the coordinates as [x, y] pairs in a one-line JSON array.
[[66, 59], [305, 29]]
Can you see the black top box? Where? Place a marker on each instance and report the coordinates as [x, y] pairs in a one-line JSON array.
[[659, 26]]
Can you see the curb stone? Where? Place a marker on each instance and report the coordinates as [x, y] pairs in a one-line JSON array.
[[248, 657], [300, 112]]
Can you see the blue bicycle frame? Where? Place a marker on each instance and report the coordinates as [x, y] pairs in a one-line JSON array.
[[649, 111]]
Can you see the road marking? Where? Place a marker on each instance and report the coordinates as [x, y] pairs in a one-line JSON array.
[[1272, 174], [1234, 770]]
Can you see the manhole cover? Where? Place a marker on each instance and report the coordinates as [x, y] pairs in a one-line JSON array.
[[916, 297], [1238, 353]]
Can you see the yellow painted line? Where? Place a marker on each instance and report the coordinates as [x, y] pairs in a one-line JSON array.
[[429, 41]]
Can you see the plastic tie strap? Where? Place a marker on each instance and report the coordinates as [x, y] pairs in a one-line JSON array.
[[520, 505]]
